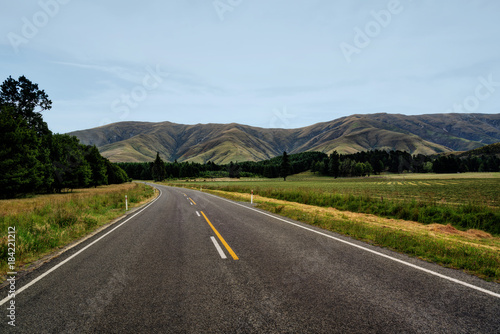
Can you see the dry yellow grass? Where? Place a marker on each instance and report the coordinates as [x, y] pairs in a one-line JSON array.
[[27, 205]]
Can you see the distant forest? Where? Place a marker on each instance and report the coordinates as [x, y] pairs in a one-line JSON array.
[[33, 159], [336, 165]]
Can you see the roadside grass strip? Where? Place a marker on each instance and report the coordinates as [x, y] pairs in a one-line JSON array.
[[60, 264], [47, 223]]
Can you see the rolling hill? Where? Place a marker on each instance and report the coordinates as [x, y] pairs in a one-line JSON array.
[[487, 150], [222, 143]]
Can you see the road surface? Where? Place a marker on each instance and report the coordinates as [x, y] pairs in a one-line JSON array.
[[191, 262]]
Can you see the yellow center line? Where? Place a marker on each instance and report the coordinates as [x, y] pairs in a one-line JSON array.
[[233, 254], [192, 200]]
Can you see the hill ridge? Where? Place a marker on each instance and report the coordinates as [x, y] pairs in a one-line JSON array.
[[131, 141]]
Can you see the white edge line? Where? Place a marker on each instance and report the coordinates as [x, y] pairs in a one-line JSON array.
[[494, 294], [219, 249], [18, 291]]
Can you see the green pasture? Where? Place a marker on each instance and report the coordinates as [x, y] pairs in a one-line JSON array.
[[466, 188], [466, 201]]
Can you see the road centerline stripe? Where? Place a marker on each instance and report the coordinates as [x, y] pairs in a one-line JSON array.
[[231, 252], [219, 249]]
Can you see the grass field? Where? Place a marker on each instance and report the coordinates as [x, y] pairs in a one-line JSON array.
[[463, 200], [453, 220], [481, 188], [46, 223]]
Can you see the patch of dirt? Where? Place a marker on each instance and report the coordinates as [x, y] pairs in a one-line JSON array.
[[479, 234], [443, 228], [448, 229]]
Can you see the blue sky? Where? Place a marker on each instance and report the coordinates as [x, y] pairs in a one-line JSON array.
[[263, 63]]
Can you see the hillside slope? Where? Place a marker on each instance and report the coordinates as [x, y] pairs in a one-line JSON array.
[[222, 143]]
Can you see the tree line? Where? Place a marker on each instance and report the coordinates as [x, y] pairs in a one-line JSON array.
[[378, 161], [35, 160], [280, 166], [337, 165]]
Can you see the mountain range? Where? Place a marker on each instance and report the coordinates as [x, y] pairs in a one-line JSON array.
[[222, 143]]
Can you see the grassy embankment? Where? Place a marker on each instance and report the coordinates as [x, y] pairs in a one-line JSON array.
[[46, 223], [453, 220]]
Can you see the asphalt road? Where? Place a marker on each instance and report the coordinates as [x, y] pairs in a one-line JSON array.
[[194, 263]]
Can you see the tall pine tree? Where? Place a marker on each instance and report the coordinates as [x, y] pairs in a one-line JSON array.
[[285, 167], [158, 168]]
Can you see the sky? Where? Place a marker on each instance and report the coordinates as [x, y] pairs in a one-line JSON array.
[[266, 63]]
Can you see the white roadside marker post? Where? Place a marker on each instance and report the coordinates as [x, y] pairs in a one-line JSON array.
[[126, 203], [251, 198]]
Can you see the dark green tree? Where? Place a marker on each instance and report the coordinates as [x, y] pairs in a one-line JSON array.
[[233, 170], [116, 175], [97, 166], [158, 170], [334, 164], [70, 168], [268, 171], [285, 167], [346, 167], [368, 169], [27, 100], [21, 103], [20, 170]]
